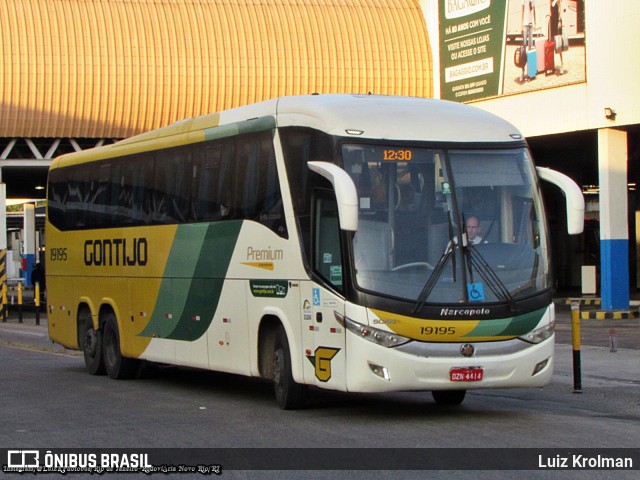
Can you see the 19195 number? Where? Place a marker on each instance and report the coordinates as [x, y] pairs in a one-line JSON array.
[[58, 254], [437, 330]]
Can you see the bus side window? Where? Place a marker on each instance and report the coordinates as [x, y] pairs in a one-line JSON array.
[[246, 180], [130, 177], [327, 253], [206, 177], [180, 207], [57, 199], [269, 207], [79, 193]]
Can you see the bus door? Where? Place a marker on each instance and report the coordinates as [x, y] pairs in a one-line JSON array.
[[323, 336]]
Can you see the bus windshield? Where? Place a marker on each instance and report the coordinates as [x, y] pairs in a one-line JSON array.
[[447, 225]]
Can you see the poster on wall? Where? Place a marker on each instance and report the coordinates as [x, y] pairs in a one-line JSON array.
[[490, 48]]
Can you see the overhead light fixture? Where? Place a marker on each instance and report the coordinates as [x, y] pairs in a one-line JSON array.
[[609, 113]]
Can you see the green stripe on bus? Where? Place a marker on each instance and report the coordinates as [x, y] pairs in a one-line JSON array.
[[511, 327], [193, 280], [232, 129]]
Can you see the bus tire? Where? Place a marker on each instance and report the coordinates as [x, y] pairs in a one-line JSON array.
[[117, 366], [289, 394], [90, 342], [449, 397]]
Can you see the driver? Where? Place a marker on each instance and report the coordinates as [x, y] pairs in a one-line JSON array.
[[472, 227]]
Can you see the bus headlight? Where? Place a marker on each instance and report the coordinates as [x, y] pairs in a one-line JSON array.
[[374, 335], [539, 334]]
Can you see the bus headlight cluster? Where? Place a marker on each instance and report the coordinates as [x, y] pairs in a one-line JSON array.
[[539, 334], [374, 335]]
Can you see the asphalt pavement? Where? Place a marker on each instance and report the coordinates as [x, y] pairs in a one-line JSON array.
[[608, 350]]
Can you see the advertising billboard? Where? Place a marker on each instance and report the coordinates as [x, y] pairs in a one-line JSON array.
[[490, 48]]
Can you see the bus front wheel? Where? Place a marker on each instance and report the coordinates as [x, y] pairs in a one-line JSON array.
[[289, 394], [117, 366], [449, 397], [91, 344]]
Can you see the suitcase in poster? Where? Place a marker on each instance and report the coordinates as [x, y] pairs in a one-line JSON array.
[[549, 57], [520, 57], [532, 63], [540, 53]]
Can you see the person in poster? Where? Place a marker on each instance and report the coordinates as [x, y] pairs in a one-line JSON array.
[[555, 28], [558, 21], [481, 43]]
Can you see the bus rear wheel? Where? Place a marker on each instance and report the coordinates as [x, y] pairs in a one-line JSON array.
[[289, 394], [90, 342], [449, 397], [117, 366]]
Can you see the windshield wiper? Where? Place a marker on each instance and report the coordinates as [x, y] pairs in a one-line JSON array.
[[437, 271], [475, 263]]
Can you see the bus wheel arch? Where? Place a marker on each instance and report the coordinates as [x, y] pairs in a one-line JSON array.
[[90, 341], [116, 366], [290, 395], [275, 363], [266, 344]]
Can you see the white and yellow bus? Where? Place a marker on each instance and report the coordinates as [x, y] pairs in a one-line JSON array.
[[311, 240]]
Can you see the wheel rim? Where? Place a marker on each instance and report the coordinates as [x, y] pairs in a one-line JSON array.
[[90, 344], [109, 346], [277, 372]]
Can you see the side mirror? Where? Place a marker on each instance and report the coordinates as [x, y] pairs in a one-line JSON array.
[[346, 194], [573, 196]]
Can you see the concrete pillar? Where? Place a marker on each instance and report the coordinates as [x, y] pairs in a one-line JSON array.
[[29, 225], [614, 231], [3, 233]]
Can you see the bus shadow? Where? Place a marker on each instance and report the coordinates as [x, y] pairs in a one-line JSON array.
[[244, 389]]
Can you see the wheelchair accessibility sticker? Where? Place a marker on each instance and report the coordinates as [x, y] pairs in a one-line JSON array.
[[476, 292]]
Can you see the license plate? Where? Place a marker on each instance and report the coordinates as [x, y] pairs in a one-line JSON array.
[[473, 374]]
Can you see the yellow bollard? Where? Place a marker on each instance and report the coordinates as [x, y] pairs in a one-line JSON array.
[[20, 302], [5, 308], [37, 302], [575, 341]]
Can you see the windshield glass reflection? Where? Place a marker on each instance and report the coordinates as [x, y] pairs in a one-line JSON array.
[[447, 226]]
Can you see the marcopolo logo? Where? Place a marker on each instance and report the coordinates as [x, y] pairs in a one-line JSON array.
[[465, 312], [462, 8]]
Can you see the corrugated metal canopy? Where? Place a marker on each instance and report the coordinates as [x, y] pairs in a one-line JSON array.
[[114, 68]]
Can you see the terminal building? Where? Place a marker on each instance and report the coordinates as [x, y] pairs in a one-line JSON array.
[[580, 114], [81, 73]]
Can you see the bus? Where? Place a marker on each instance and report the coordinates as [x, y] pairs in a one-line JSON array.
[[313, 241]]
